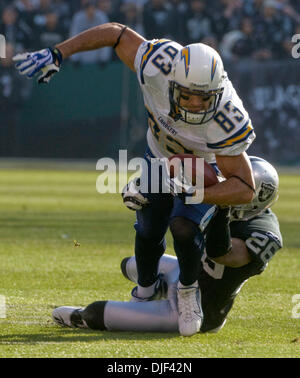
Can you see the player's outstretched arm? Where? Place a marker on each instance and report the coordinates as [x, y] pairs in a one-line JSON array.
[[123, 39], [47, 62]]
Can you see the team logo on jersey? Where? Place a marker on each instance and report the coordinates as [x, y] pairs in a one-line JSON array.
[[213, 68], [186, 56], [266, 191]]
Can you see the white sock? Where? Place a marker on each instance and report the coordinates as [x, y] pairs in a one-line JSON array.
[[146, 292], [181, 286]]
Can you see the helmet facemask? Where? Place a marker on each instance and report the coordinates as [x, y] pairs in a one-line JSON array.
[[178, 112]]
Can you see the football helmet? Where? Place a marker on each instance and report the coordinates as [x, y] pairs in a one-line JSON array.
[[197, 70], [266, 192]]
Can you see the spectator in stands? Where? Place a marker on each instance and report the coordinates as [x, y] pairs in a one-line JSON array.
[[106, 7], [130, 15], [26, 5], [179, 10], [87, 18], [260, 29], [157, 20], [245, 44], [291, 9], [63, 9], [52, 33], [211, 41], [139, 3], [272, 29], [225, 16], [197, 23], [15, 30]]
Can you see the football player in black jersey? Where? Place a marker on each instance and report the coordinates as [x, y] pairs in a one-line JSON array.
[[239, 243]]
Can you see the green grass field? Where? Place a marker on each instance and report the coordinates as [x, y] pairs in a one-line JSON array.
[[44, 210]]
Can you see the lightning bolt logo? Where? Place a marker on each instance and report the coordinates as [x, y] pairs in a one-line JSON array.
[[186, 56], [213, 68]]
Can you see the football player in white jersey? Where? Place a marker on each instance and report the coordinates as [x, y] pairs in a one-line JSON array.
[[192, 108]]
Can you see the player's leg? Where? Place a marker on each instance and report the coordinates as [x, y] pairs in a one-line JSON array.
[[168, 267], [188, 245], [223, 283], [151, 226], [219, 287], [154, 316]]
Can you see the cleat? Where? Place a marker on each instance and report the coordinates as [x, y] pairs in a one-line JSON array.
[[190, 314], [160, 291], [67, 316], [217, 329]]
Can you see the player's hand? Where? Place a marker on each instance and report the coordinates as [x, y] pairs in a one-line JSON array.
[[178, 185], [132, 197], [46, 61]]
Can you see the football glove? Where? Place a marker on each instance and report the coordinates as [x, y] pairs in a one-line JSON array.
[[46, 61], [132, 197], [178, 185]]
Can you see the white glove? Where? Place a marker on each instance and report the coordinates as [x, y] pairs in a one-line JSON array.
[[132, 197], [179, 185], [47, 61]]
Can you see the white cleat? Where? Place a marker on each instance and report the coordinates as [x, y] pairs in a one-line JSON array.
[[67, 316], [190, 314]]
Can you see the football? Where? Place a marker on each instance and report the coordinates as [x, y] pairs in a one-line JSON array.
[[195, 169]]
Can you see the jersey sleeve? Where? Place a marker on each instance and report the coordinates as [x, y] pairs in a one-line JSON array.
[[153, 61], [232, 132], [236, 143]]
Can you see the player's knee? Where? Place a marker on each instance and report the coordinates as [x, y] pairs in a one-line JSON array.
[[183, 230], [150, 237], [93, 315], [150, 232]]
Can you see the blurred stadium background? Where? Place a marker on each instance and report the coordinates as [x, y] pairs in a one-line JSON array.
[[94, 107]]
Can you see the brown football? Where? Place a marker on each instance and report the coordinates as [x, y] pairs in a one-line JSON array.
[[194, 168]]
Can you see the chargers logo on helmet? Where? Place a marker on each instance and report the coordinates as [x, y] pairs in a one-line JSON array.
[[213, 68], [186, 56]]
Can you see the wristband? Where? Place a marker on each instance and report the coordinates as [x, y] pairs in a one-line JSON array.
[[56, 55]]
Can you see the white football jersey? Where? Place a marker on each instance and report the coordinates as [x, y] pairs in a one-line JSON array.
[[229, 133]]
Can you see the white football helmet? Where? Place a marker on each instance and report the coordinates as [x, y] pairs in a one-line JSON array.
[[266, 192], [199, 69]]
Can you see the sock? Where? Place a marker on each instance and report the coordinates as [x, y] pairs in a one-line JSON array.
[[146, 292], [93, 315], [181, 286], [147, 255]]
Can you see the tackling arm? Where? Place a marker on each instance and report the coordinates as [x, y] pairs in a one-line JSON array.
[[239, 186], [237, 257]]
